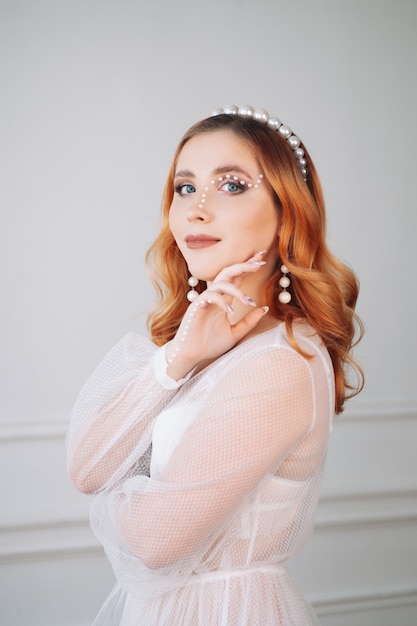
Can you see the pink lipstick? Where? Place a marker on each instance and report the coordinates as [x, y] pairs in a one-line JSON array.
[[200, 241]]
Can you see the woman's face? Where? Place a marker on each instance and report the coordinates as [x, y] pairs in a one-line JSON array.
[[223, 210]]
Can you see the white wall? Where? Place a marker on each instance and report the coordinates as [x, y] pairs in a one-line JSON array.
[[94, 96]]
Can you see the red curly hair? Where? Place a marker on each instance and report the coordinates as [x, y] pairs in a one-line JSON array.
[[324, 290]]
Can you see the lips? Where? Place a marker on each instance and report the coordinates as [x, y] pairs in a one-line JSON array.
[[200, 241]]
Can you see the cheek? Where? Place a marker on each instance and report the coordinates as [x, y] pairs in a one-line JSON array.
[[176, 226], [263, 221]]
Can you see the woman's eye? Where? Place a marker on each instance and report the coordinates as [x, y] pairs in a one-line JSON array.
[[232, 187], [185, 189]]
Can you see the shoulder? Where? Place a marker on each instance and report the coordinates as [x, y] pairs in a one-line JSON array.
[[266, 361], [270, 364], [276, 345]]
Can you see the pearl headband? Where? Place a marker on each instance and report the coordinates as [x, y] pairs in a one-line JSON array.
[[260, 115]]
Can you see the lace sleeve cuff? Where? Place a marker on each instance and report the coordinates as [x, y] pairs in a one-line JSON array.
[[162, 377]]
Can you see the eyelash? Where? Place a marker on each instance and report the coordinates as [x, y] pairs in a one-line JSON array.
[[178, 189], [239, 188]]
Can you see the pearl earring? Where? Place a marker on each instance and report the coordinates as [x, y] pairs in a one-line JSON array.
[[284, 297], [192, 294]]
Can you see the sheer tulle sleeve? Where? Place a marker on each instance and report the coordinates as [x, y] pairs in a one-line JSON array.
[[111, 425], [240, 428]]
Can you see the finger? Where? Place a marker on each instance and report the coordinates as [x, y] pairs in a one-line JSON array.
[[208, 298], [249, 322], [251, 264], [238, 269], [258, 256], [229, 289]]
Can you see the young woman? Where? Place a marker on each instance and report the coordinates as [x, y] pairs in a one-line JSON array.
[[206, 445]]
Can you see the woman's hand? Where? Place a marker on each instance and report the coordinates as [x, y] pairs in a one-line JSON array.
[[206, 332]]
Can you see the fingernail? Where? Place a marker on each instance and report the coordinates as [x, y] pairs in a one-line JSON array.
[[230, 309], [265, 309], [250, 301], [258, 262], [261, 252]]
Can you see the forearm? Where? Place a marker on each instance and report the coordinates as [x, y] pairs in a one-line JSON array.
[[112, 443], [112, 421]]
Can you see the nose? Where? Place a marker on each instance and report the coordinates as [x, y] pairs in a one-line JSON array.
[[197, 212]]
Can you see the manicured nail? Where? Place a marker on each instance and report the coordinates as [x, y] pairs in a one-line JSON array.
[[261, 252], [230, 309], [258, 262], [250, 301], [265, 309]]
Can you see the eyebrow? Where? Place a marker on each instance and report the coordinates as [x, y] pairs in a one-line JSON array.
[[223, 169]]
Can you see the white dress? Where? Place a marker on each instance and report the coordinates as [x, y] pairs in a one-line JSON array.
[[207, 486]]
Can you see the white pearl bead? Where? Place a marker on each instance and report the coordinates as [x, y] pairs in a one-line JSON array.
[[246, 111], [192, 295], [293, 141], [285, 131], [274, 123], [284, 282], [261, 115], [193, 281], [299, 153], [284, 269], [284, 297], [232, 109]]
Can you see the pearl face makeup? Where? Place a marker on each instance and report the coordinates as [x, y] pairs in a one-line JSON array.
[[233, 180]]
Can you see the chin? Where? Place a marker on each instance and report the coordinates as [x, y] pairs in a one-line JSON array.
[[203, 277], [202, 273]]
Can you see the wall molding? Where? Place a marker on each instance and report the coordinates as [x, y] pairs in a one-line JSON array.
[[74, 539], [342, 604], [373, 409], [32, 430], [378, 410], [62, 537], [54, 529], [364, 509], [47, 541]]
